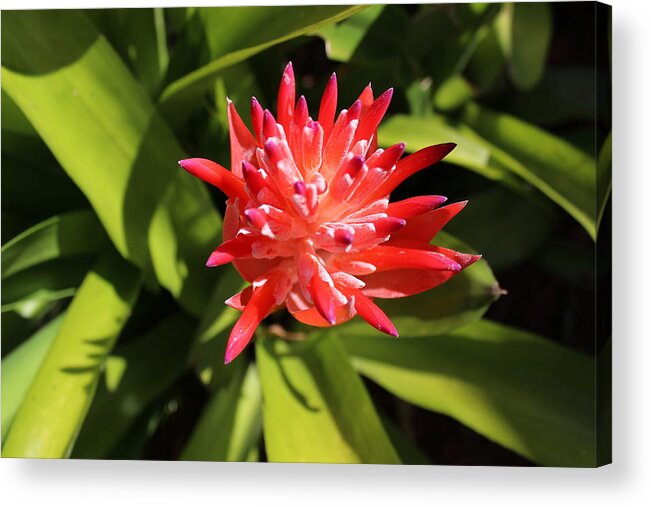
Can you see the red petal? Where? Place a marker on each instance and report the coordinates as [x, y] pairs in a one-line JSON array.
[[218, 176], [318, 288], [366, 97], [286, 97], [241, 299], [387, 158], [256, 118], [410, 165], [372, 314], [414, 206], [312, 317], [425, 227], [259, 306], [373, 116], [386, 257], [407, 282], [230, 250], [243, 144], [328, 107]]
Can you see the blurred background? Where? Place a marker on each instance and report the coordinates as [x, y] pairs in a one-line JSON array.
[[104, 240]]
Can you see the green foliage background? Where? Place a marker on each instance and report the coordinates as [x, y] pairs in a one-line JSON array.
[[113, 331]]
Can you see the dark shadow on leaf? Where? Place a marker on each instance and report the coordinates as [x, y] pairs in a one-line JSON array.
[[56, 49]]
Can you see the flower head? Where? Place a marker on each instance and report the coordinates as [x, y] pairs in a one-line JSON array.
[[308, 220]]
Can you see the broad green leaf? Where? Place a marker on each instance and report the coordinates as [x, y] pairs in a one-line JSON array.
[[487, 61], [518, 389], [105, 133], [505, 149], [342, 39], [231, 424], [315, 407], [244, 32], [28, 291], [135, 375], [523, 226], [138, 35], [48, 421], [453, 93], [68, 235], [207, 354], [459, 301], [524, 31], [15, 329], [604, 176], [471, 152], [20, 366], [562, 172]]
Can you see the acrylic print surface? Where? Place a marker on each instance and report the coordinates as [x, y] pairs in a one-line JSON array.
[[315, 234]]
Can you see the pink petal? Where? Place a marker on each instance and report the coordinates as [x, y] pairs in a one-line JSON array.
[[373, 116], [407, 282], [218, 176], [243, 144], [425, 227], [260, 304], [286, 97], [328, 107], [414, 206], [410, 165]]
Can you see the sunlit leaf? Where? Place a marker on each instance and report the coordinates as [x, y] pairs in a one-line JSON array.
[[105, 133], [20, 366], [506, 149], [562, 172], [524, 392], [244, 32], [68, 235], [343, 38], [231, 423], [209, 346], [58, 399], [316, 408], [134, 375], [28, 291]]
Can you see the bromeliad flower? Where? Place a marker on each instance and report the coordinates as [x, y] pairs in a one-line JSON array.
[[308, 220]]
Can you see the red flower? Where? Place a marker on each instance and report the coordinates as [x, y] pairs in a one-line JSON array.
[[308, 220]]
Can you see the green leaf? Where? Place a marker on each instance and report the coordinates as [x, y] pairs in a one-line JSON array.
[[244, 32], [471, 152], [28, 291], [505, 149], [520, 390], [134, 376], [342, 39], [209, 346], [316, 408], [20, 366], [524, 31], [58, 399], [459, 301], [68, 235], [104, 131], [562, 172], [138, 35], [523, 226], [453, 93], [604, 176], [236, 410]]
